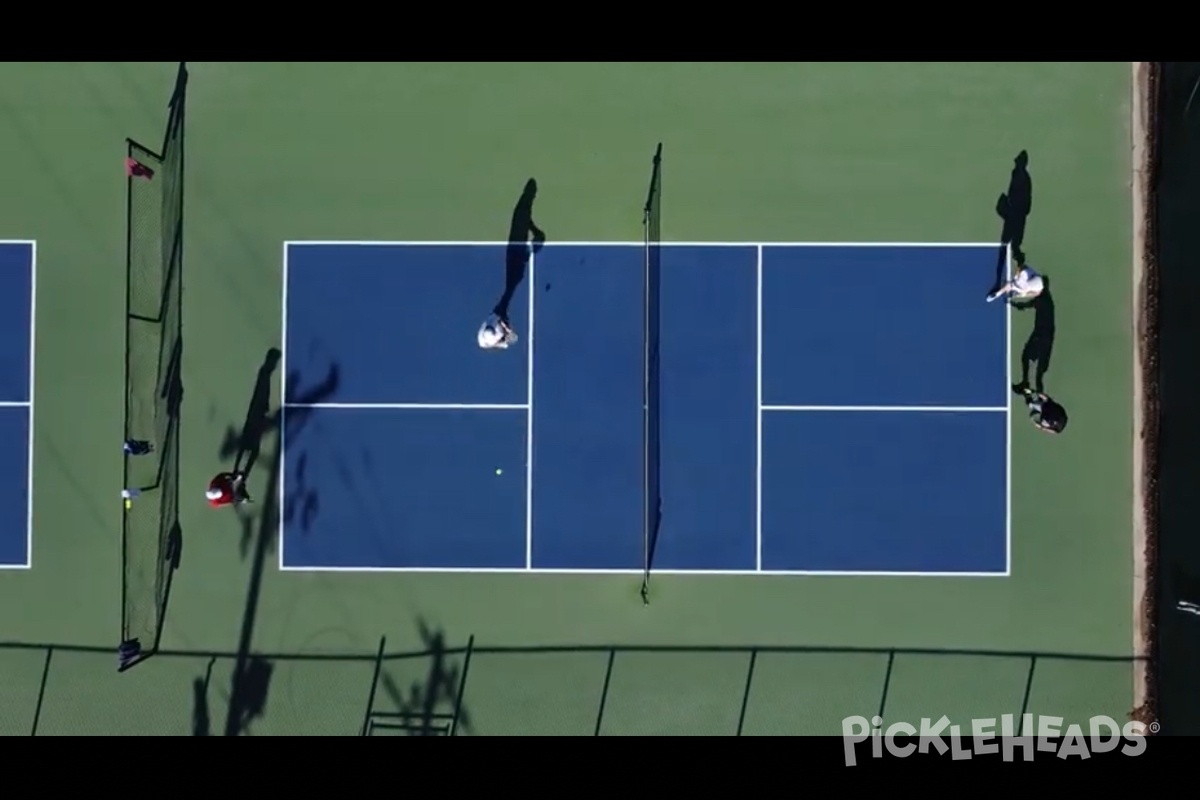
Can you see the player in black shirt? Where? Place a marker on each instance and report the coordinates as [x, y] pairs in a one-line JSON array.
[[1047, 414]]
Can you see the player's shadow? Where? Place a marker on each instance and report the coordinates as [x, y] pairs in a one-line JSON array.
[[431, 707], [522, 229], [1014, 207], [1039, 347], [245, 446]]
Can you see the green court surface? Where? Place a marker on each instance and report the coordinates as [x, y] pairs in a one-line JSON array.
[[754, 152]]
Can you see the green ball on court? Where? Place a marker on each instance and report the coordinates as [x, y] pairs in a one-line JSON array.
[[499, 471]]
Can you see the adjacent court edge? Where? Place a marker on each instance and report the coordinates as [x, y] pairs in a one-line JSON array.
[[28, 403]]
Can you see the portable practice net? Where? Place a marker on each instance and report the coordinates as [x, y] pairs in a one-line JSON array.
[[153, 387], [652, 498]]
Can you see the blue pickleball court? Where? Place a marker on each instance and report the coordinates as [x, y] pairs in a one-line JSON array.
[[18, 263], [825, 409]]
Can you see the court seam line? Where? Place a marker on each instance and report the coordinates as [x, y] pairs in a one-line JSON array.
[[674, 572], [872, 409], [450, 243], [416, 406], [15, 403]]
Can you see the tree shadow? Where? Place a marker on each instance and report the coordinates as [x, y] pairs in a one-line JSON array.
[[516, 253], [302, 502], [1040, 345], [1013, 206], [252, 674], [432, 707]]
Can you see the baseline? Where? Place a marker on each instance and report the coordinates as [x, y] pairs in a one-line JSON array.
[[673, 572], [467, 243], [920, 409]]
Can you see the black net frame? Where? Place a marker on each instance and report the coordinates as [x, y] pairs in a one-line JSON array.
[[651, 464], [150, 531]]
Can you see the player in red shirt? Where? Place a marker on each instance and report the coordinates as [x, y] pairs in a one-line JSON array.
[[226, 489]]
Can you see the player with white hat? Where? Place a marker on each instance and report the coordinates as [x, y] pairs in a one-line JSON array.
[[496, 334], [1025, 285]]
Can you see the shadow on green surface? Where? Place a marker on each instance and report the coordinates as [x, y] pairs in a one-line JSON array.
[[431, 704], [251, 676], [201, 719], [584, 690], [1014, 207], [516, 254], [244, 447], [1039, 347]]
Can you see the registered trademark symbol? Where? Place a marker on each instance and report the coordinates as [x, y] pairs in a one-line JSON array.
[[1155, 727]]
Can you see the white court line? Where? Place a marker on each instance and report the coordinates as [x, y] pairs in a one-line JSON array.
[[32, 362], [1008, 428], [676, 572], [927, 409], [28, 403], [353, 243], [758, 380], [283, 407], [417, 406], [531, 281]]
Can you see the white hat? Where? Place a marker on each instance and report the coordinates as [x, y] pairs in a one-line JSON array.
[[489, 336], [213, 494]]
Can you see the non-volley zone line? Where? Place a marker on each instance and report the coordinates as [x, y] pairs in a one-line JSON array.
[[416, 406]]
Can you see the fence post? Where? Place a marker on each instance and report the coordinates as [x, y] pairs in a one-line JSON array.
[[462, 685], [366, 726]]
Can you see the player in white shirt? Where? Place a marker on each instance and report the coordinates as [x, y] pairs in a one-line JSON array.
[[496, 334], [1025, 285]]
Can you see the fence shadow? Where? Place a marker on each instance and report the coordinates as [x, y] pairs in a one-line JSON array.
[[566, 690]]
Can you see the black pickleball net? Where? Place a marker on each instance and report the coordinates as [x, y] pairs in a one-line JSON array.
[[651, 406]]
